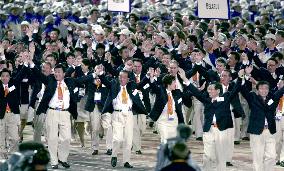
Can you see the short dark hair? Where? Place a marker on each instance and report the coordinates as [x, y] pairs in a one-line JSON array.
[[236, 55], [70, 54], [137, 60], [278, 55], [168, 79], [86, 62], [100, 45], [217, 85], [260, 83], [60, 66], [6, 70], [228, 71], [273, 59], [280, 33], [222, 60]]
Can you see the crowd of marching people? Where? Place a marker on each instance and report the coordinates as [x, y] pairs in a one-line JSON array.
[[70, 68]]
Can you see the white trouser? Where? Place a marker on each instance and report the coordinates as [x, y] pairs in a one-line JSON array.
[[186, 113], [9, 126], [246, 119], [279, 135], [214, 142], [237, 126], [39, 121], [58, 128], [229, 144], [24, 111], [198, 117], [139, 128], [122, 127], [263, 151], [166, 131], [97, 120]]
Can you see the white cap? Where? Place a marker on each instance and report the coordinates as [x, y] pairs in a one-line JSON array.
[[244, 36], [125, 32], [25, 23], [99, 31], [163, 35], [221, 38], [270, 36]]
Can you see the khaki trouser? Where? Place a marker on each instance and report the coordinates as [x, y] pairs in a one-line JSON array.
[[214, 142], [166, 132], [237, 126], [9, 135], [97, 120], [58, 128], [198, 109], [263, 151], [139, 128], [246, 119], [279, 137], [122, 127]]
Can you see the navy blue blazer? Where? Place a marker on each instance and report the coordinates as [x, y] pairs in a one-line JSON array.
[[221, 107], [261, 109]]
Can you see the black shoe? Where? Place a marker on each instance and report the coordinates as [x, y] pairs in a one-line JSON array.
[[245, 138], [64, 164], [151, 124], [113, 161], [278, 163], [199, 139], [109, 152], [281, 164], [54, 166], [101, 136], [29, 123], [237, 142], [229, 164], [127, 165], [138, 152], [155, 132], [95, 152]]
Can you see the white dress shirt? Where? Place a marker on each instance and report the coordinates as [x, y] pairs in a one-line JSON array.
[[61, 104], [117, 102]]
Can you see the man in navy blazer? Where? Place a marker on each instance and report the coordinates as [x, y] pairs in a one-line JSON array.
[[262, 124], [122, 99], [9, 112], [217, 120], [58, 102], [167, 109]]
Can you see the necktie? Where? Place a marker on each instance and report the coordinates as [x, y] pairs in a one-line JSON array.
[[137, 79], [98, 83], [195, 77], [59, 91], [280, 105], [6, 90], [6, 93], [124, 96], [170, 104]]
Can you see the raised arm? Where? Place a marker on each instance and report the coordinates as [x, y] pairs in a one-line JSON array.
[[195, 92]]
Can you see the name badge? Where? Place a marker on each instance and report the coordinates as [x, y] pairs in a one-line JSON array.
[[179, 100], [97, 96], [25, 80], [12, 88], [146, 86], [135, 92], [220, 99], [270, 102]]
